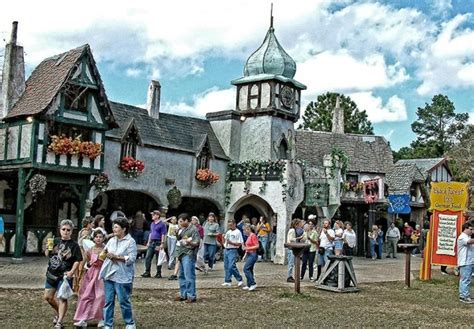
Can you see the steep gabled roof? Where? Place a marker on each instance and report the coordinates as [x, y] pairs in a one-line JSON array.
[[129, 125], [169, 131], [47, 80], [199, 142], [425, 165], [367, 153], [402, 176]]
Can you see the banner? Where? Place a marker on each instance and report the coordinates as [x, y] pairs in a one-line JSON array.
[[371, 190], [399, 204], [446, 227], [448, 196]]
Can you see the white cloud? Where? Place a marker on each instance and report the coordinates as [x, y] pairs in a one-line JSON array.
[[133, 72], [449, 61], [212, 100], [394, 110], [340, 71], [441, 7]]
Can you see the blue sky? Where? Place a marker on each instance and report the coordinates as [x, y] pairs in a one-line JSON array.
[[389, 56]]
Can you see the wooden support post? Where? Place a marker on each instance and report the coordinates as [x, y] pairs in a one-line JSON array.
[[408, 247], [297, 256], [82, 205], [20, 216], [341, 276]]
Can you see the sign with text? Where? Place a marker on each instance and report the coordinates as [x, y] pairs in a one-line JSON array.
[[446, 228], [449, 196], [447, 234]]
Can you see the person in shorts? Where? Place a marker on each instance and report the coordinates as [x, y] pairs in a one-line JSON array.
[[64, 258]]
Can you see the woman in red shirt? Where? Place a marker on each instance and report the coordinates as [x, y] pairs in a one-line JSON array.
[[251, 246]]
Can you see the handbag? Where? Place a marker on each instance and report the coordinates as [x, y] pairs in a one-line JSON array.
[[321, 251], [51, 278]]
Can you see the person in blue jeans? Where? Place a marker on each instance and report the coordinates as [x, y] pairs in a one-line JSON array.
[[186, 250], [232, 242], [465, 253], [373, 236], [118, 271], [211, 230], [251, 246], [380, 239], [158, 232]]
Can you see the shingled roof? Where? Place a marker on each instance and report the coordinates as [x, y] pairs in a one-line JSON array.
[[402, 176], [425, 165], [366, 153], [46, 81], [169, 131]]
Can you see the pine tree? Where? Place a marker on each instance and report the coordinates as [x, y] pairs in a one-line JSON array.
[[318, 115]]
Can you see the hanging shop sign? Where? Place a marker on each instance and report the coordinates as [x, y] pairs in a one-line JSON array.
[[449, 196], [399, 204]]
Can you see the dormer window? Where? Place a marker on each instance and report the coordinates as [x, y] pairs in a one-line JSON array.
[[203, 158], [75, 98], [129, 144]]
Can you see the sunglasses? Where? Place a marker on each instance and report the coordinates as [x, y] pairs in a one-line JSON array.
[[66, 229]]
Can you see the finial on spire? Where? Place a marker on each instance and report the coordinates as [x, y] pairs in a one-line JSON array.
[[271, 16]]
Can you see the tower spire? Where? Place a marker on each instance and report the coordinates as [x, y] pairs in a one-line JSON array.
[[271, 16]]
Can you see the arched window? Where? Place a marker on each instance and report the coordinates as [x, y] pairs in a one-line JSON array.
[[283, 150]]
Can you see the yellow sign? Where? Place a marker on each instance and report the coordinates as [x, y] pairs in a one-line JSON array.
[[449, 196]]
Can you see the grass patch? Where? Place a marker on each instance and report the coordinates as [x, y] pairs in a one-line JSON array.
[[295, 296]]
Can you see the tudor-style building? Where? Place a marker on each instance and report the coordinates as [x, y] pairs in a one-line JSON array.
[[62, 101], [369, 162], [254, 149]]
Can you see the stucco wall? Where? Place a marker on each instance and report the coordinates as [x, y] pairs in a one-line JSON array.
[[272, 196], [228, 133], [161, 164]]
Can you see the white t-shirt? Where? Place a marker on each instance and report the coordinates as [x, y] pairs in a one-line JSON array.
[[350, 237], [323, 239], [465, 251], [234, 236], [338, 233]]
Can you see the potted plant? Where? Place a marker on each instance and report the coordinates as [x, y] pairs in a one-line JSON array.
[[131, 168], [101, 182], [206, 177]]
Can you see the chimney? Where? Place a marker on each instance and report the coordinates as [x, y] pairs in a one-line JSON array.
[[153, 100], [13, 77], [338, 118]]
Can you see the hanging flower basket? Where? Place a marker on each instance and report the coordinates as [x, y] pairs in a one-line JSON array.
[[352, 186], [66, 145], [174, 197], [101, 182], [206, 177], [131, 168], [37, 185]]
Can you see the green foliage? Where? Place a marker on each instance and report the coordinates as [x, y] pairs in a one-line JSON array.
[[318, 115], [250, 168], [437, 128], [339, 155], [461, 156]]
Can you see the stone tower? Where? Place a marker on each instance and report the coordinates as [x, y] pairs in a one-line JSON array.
[[267, 105]]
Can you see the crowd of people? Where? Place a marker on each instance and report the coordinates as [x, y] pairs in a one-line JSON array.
[[323, 241], [100, 266]]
